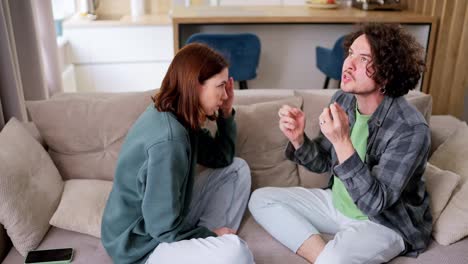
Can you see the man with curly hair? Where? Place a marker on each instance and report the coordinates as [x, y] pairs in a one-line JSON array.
[[375, 145]]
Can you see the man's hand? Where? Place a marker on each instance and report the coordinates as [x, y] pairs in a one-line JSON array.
[[292, 124], [226, 108], [334, 125], [223, 231]]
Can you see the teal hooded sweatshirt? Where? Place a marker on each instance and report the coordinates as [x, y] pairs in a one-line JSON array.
[[153, 183]]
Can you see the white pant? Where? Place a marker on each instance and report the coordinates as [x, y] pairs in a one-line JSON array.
[[219, 199], [227, 249], [292, 215]]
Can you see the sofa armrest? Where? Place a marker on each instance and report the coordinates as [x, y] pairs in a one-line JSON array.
[[5, 243]]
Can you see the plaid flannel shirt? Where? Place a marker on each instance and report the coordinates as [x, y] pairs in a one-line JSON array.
[[388, 186]]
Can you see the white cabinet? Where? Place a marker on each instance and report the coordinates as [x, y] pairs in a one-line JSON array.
[[120, 77], [120, 58]]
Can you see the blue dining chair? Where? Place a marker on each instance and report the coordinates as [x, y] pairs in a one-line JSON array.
[[242, 51], [330, 61]]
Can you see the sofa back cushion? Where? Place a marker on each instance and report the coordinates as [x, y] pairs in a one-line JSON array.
[[261, 143], [253, 96], [443, 127], [84, 132]]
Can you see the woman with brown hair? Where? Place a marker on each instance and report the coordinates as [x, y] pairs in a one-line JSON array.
[[158, 211]]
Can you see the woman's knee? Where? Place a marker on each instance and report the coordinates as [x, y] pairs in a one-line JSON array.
[[236, 250], [243, 172]]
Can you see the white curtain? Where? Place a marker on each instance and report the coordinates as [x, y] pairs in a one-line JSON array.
[[44, 24], [28, 56], [11, 89]]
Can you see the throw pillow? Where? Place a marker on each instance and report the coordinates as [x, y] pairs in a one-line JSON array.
[[261, 143], [452, 224], [440, 185], [30, 187], [82, 206]]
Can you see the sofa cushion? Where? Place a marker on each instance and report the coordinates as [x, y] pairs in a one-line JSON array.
[[452, 224], [82, 206], [30, 187], [261, 143], [264, 247], [440, 185], [87, 249], [84, 132]]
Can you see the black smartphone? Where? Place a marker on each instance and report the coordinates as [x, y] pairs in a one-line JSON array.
[[50, 256]]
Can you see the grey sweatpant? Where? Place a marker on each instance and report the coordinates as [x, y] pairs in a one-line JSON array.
[[219, 200]]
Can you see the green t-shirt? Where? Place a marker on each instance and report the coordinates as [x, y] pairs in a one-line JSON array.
[[341, 199]]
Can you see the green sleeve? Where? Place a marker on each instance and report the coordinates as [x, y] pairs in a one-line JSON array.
[[164, 196], [219, 151]]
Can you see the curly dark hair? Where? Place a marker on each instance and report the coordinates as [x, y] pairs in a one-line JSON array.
[[397, 58]]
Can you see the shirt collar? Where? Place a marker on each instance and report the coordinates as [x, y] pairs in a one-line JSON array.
[[382, 110], [379, 114]]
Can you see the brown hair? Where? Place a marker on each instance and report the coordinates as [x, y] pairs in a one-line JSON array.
[[191, 67], [397, 58]]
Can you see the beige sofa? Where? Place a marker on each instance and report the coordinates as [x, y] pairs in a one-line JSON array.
[[83, 134]]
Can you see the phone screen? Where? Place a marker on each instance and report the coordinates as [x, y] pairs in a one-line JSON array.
[[59, 254]]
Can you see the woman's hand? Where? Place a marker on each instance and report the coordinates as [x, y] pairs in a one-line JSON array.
[[224, 231], [292, 124], [334, 124], [226, 108]]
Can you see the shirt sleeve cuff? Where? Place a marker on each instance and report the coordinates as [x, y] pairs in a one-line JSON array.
[[299, 154], [349, 167], [305, 149], [230, 118], [226, 122]]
